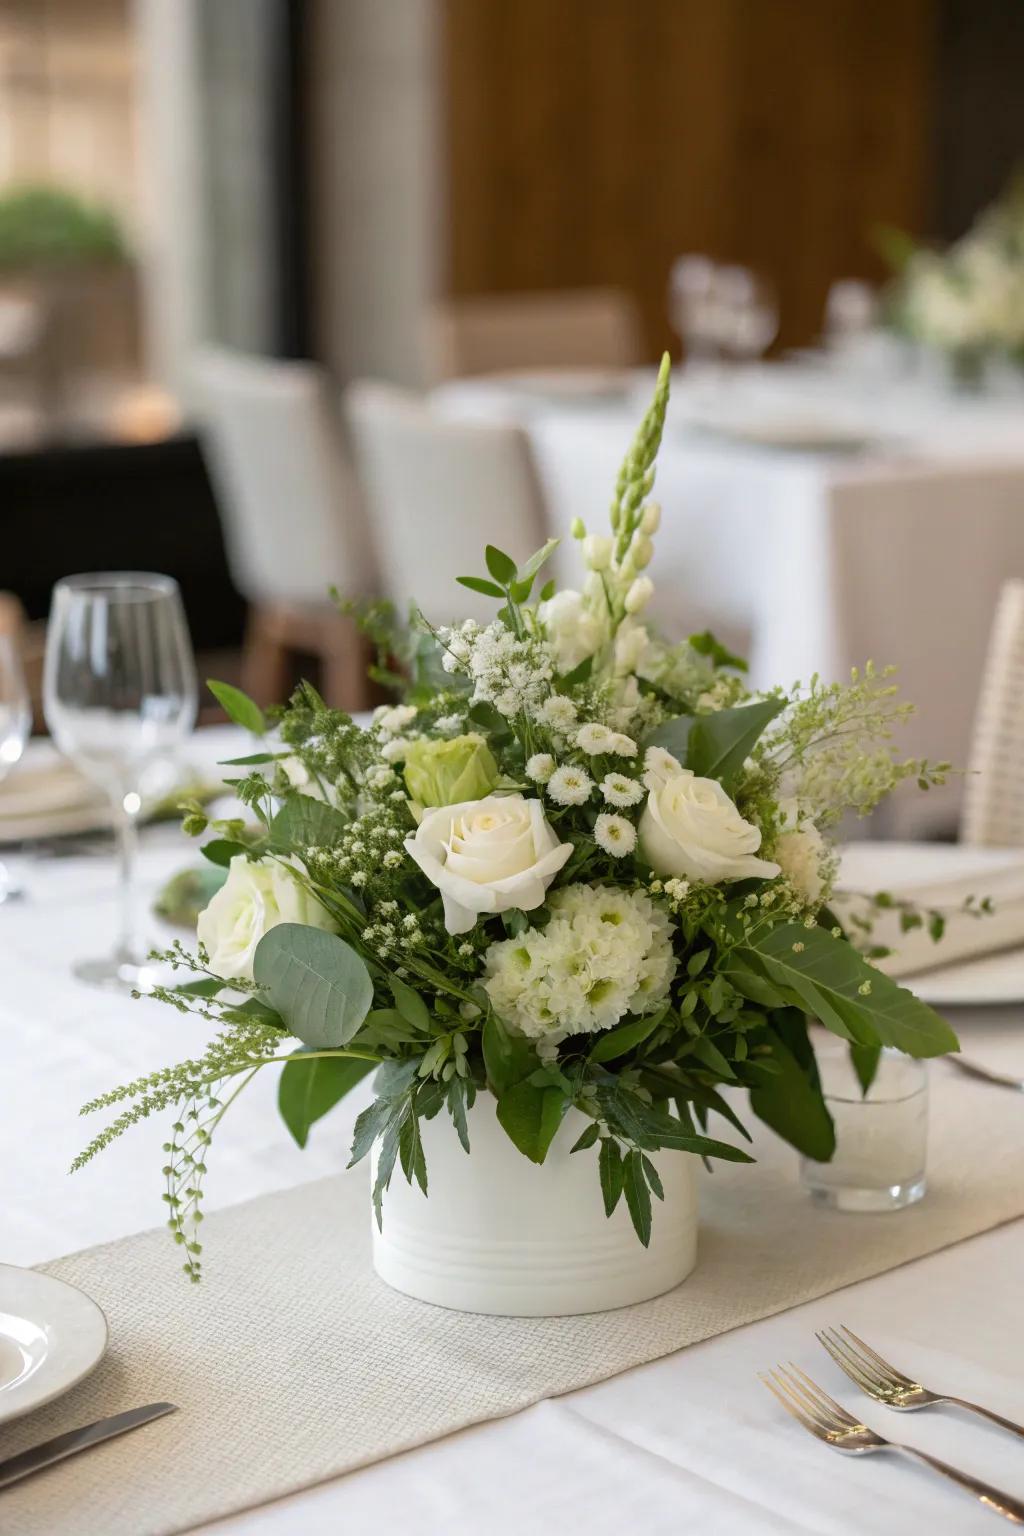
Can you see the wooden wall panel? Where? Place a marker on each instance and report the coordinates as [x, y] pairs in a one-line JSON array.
[[591, 141]]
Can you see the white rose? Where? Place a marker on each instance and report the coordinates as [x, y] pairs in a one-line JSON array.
[[573, 630], [691, 828], [487, 856], [256, 896], [802, 853]]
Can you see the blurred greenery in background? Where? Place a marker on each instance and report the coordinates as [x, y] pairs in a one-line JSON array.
[[49, 226]]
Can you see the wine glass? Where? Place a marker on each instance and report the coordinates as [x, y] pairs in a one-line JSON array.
[[15, 723], [747, 313], [119, 692], [850, 312], [691, 307]]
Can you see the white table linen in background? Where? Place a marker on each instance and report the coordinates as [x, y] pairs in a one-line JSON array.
[[690, 1443], [812, 562]]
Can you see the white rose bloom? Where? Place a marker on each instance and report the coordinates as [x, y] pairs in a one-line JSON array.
[[574, 632], [802, 853], [691, 828], [256, 896], [487, 856]]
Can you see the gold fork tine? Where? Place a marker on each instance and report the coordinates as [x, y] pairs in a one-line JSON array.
[[896, 1377], [850, 1363], [837, 1408], [790, 1407], [812, 1409]]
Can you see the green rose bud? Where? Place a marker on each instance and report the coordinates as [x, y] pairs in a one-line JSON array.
[[448, 772]]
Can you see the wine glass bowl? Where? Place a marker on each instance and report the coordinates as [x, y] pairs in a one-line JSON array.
[[119, 692]]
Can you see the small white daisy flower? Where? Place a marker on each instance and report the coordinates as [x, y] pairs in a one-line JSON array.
[[593, 738], [570, 786], [558, 712], [619, 790], [622, 746], [540, 767], [614, 834]]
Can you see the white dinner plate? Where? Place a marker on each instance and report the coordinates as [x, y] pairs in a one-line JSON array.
[[993, 981], [51, 1335]]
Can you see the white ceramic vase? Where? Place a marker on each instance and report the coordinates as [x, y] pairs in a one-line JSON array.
[[502, 1235]]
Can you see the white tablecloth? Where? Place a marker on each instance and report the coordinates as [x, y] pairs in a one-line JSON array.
[[811, 562], [691, 1443]]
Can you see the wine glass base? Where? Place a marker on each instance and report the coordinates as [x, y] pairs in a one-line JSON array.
[[119, 972]]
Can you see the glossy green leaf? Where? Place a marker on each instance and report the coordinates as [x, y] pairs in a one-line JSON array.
[[309, 1089], [409, 1004], [508, 1058], [529, 569], [865, 1059], [530, 1117], [706, 644], [315, 981], [720, 743], [638, 1196], [221, 850], [480, 584], [238, 706], [501, 566], [610, 1170], [625, 1037], [791, 1103]]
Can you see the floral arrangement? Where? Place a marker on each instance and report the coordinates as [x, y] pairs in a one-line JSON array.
[[575, 865], [968, 300]]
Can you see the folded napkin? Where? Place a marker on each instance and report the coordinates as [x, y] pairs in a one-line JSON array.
[[934, 877]]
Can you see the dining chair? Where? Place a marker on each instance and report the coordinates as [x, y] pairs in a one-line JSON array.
[[293, 521], [495, 333], [993, 810], [438, 492]]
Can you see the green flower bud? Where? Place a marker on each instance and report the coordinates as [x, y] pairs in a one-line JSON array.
[[447, 772]]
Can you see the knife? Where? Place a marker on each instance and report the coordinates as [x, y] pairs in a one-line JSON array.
[[23, 1465]]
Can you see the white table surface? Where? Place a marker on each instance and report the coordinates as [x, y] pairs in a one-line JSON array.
[[690, 1443], [810, 562]]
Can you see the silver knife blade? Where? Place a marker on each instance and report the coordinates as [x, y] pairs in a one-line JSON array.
[[26, 1462]]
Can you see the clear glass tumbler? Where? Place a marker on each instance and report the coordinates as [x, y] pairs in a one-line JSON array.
[[119, 692], [881, 1135]]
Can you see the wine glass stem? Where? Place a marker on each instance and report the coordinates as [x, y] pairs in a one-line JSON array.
[[127, 848]]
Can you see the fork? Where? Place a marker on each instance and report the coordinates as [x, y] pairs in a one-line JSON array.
[[823, 1417], [882, 1381]]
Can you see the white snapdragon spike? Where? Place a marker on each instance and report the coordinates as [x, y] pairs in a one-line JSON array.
[[650, 522], [621, 791], [614, 834], [605, 953], [691, 829], [540, 767], [569, 785], [257, 895], [574, 629], [487, 856], [640, 592], [597, 551]]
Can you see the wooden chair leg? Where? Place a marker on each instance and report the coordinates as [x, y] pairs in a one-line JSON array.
[[344, 658], [266, 659]]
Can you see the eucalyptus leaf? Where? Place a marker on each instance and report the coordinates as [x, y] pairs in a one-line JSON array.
[[410, 1005], [303, 822], [309, 1089], [317, 983]]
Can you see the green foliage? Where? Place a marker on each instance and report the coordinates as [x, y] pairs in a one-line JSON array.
[[50, 226], [790, 1099], [317, 983], [718, 744], [508, 1058], [530, 1116], [706, 644], [238, 706], [303, 822], [307, 1090]]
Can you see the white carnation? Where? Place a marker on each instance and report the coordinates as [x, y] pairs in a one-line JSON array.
[[802, 854], [540, 767], [593, 738], [614, 834], [569, 785], [605, 953], [558, 712]]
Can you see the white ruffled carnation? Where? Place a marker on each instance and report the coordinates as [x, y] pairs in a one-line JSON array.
[[802, 854], [558, 712], [614, 834], [569, 785], [605, 953], [540, 767]]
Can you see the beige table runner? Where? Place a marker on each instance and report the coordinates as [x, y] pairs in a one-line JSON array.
[[292, 1363]]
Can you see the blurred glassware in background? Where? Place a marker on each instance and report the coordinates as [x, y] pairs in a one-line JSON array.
[[746, 310], [119, 693], [691, 308], [15, 724], [851, 310]]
